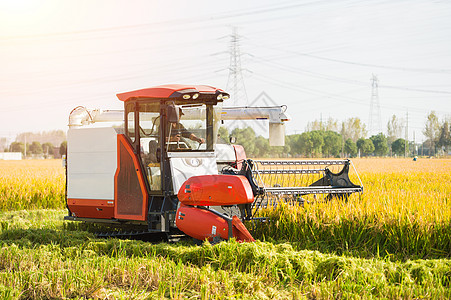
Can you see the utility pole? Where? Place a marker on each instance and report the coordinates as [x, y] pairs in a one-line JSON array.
[[321, 121], [407, 133], [235, 82], [375, 124], [414, 144]]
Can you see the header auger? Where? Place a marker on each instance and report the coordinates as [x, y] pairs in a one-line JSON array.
[[160, 169]]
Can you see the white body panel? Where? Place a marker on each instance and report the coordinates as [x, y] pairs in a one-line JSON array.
[[91, 163], [225, 153], [185, 165]]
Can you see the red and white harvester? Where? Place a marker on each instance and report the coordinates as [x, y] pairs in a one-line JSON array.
[[159, 168]]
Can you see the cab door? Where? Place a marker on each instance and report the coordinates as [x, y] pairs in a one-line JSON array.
[[130, 188]]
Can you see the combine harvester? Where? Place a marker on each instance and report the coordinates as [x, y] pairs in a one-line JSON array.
[[160, 170]]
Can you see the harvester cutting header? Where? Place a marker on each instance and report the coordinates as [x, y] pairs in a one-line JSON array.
[[162, 171]]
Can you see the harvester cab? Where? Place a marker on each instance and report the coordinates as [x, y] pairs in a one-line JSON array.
[[161, 171]]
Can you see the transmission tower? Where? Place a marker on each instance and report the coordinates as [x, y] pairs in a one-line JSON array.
[[375, 124], [235, 82]]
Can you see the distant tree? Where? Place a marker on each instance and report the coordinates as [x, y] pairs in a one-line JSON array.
[[292, 141], [246, 138], [332, 143], [63, 148], [285, 150], [55, 137], [3, 144], [303, 144], [317, 142], [380, 144], [223, 135], [17, 147], [353, 128], [366, 146], [35, 148], [360, 143], [47, 149], [350, 147], [395, 127], [444, 139], [432, 130], [311, 143], [399, 147], [256, 146], [331, 124], [262, 148]]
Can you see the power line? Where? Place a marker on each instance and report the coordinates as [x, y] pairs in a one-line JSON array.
[[423, 70], [176, 22], [345, 80], [322, 95]]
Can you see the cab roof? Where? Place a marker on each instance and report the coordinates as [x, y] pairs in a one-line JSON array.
[[169, 91]]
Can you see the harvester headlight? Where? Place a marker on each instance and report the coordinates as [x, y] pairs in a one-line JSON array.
[[195, 96], [219, 97], [225, 97], [186, 96]]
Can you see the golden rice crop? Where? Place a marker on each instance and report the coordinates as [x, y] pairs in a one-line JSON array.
[[405, 210], [31, 184]]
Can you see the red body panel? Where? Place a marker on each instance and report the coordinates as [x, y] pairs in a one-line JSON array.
[[164, 91], [202, 224], [215, 190], [240, 231], [91, 208]]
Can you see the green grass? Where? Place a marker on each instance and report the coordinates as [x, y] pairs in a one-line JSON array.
[[41, 258]]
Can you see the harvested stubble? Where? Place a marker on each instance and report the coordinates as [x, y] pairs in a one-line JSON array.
[[41, 258]]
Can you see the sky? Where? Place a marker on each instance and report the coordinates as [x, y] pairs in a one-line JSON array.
[[317, 57]]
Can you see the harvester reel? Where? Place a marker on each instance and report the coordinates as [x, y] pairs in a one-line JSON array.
[[298, 181]]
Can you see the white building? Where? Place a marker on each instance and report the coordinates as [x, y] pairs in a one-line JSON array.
[[10, 155]]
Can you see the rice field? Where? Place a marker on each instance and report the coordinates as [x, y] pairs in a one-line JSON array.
[[31, 184], [392, 242], [405, 212]]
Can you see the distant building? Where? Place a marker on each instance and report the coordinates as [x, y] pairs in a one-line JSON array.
[[10, 155]]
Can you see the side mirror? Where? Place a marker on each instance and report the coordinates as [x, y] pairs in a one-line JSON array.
[[173, 113], [232, 140]]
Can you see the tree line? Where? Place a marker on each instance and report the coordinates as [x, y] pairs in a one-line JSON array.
[[346, 139], [36, 148], [45, 143]]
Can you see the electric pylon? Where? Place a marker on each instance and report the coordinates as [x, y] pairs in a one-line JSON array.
[[235, 82], [375, 124]]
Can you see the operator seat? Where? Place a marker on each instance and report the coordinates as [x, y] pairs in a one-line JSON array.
[[154, 152]]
